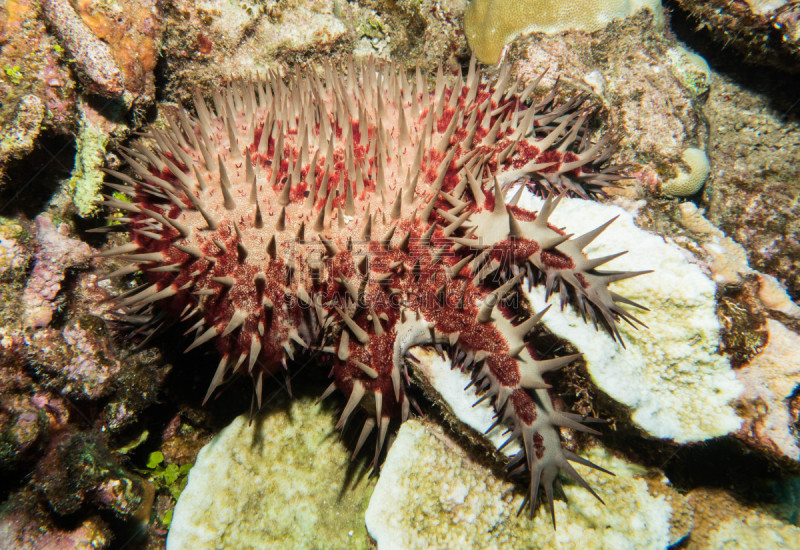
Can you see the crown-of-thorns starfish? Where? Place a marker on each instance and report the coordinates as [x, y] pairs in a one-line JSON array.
[[361, 215]]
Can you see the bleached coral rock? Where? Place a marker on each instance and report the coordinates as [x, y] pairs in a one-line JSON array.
[[432, 495], [770, 380]]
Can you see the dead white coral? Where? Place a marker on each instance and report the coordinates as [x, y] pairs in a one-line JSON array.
[[671, 375]]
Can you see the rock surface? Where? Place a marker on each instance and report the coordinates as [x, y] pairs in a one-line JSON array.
[[638, 75], [723, 522], [770, 380], [763, 31]]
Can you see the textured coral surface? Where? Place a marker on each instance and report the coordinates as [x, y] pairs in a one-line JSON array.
[[491, 24], [362, 215]]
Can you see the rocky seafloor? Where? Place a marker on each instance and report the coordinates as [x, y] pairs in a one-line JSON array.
[[102, 434]]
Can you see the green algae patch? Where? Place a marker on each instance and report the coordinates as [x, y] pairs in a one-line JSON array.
[[283, 481]]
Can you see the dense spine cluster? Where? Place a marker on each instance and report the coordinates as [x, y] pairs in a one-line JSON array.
[[361, 215]]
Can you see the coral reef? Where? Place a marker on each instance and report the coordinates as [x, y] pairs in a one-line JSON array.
[[86, 180], [94, 419], [79, 469], [491, 24], [113, 44], [22, 527], [743, 526], [690, 180], [770, 380], [78, 355], [209, 42], [38, 93], [21, 131], [756, 190], [691, 69], [13, 252], [215, 42], [676, 386], [629, 67], [93, 57]]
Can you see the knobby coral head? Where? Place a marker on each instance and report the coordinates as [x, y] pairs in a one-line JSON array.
[[361, 214]]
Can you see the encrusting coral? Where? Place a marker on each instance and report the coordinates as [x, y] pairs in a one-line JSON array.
[[491, 24], [359, 215]]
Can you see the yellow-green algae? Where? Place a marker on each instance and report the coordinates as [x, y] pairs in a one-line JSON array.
[[491, 24], [87, 177], [284, 481]]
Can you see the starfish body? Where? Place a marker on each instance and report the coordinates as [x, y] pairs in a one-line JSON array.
[[361, 215]]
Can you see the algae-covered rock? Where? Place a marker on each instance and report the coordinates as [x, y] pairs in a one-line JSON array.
[[763, 32], [722, 521], [691, 69], [80, 472], [14, 249], [755, 192], [431, 494], [279, 482], [208, 42], [654, 102]]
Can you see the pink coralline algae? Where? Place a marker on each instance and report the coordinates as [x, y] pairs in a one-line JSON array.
[[22, 529], [56, 253], [11, 255]]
